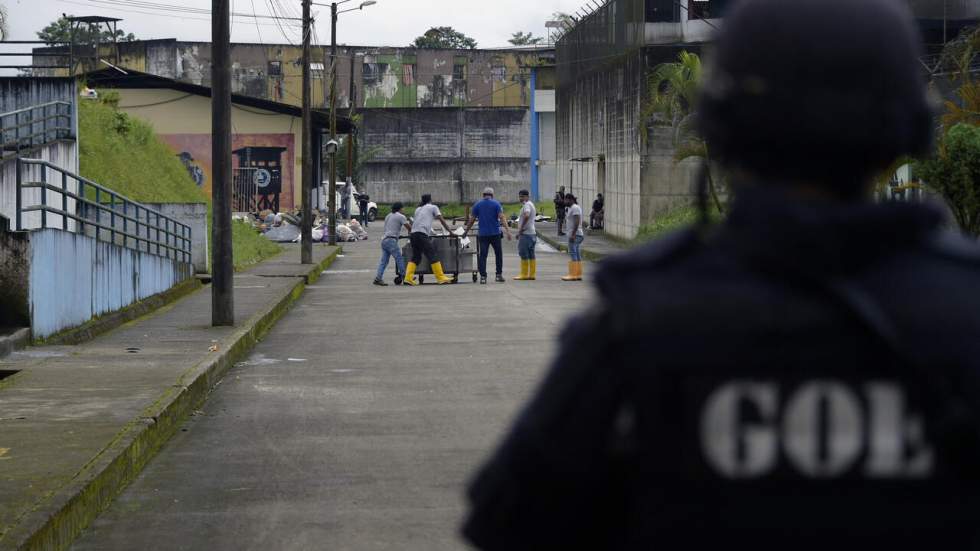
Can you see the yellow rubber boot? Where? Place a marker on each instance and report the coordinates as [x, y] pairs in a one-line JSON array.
[[410, 274], [441, 278], [532, 269], [524, 271], [571, 272], [578, 270]]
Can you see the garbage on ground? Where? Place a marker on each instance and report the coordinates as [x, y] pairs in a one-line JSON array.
[[358, 230]]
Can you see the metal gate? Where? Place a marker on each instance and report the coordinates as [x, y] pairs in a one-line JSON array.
[[245, 187]]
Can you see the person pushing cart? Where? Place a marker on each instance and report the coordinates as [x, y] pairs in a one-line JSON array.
[[421, 240]]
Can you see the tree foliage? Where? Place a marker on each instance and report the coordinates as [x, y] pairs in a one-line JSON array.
[[957, 59], [955, 173], [565, 18], [525, 39], [672, 89], [4, 23], [59, 31], [444, 38]]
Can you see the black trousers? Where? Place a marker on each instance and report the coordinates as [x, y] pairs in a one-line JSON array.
[[422, 244], [487, 241]]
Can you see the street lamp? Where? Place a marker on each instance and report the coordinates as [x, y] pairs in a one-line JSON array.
[[332, 199]]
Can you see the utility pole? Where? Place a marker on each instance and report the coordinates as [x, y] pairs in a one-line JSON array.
[[333, 123], [306, 235], [352, 100], [222, 277]]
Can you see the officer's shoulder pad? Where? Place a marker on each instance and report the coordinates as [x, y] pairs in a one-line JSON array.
[[657, 254], [956, 246]]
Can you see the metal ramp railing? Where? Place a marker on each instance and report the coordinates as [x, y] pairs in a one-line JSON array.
[[32, 127], [48, 196]]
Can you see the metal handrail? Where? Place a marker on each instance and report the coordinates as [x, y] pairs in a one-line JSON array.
[[39, 130], [165, 233], [33, 107]]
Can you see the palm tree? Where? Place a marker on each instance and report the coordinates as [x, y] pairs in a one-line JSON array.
[[672, 92]]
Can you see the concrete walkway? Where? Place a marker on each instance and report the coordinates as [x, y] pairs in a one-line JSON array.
[[357, 422], [78, 422], [595, 247]]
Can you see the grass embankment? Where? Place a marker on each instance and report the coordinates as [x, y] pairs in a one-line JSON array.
[[668, 222], [123, 153], [457, 210]]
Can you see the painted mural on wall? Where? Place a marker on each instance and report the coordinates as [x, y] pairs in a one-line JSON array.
[[266, 161]]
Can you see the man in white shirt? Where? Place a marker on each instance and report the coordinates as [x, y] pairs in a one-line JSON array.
[[576, 234], [421, 240], [527, 238]]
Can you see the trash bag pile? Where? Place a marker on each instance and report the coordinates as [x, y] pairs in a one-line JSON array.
[[285, 228]]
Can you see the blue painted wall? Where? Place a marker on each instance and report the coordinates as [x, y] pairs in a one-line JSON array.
[[74, 278]]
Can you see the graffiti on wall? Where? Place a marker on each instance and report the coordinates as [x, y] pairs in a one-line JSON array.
[[251, 152]]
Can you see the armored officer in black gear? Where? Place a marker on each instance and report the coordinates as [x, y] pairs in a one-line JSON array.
[[805, 375]]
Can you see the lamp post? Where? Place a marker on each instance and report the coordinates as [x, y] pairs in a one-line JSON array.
[[332, 198]]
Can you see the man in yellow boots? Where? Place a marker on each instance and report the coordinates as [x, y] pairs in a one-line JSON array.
[[576, 235], [421, 240], [527, 238]]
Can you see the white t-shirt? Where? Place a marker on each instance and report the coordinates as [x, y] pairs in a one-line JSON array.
[[424, 217], [573, 211], [531, 212]]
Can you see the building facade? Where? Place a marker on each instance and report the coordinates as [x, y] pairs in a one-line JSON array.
[[447, 121], [266, 139], [603, 64]]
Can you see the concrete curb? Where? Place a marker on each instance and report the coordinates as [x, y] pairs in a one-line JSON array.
[[17, 340], [92, 490], [112, 320], [586, 254]]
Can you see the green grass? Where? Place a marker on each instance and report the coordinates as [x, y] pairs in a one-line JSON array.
[[668, 222], [123, 153], [249, 247]]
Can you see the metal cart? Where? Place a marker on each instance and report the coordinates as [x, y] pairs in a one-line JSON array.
[[455, 259]]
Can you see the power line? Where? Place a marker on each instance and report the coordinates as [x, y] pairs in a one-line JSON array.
[[144, 4], [256, 22], [174, 16]]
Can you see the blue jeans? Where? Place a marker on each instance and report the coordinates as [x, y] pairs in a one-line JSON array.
[[525, 246], [575, 248], [389, 248]]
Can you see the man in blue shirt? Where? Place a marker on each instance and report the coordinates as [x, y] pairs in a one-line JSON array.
[[490, 213]]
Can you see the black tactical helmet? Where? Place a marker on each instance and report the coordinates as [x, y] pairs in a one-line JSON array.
[[821, 90]]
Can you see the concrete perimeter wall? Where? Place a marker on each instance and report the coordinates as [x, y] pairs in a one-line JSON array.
[[74, 278], [598, 120], [600, 124], [14, 272], [451, 153]]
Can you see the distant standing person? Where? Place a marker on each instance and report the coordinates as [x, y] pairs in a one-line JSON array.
[[394, 223], [345, 191], [560, 209], [527, 238], [576, 235], [421, 240], [362, 204], [490, 213]]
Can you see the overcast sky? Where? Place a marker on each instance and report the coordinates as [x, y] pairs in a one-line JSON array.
[[388, 23]]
